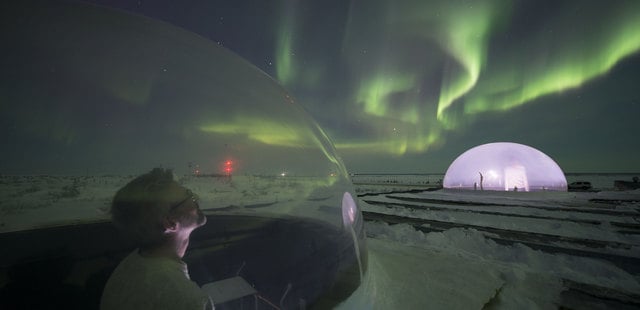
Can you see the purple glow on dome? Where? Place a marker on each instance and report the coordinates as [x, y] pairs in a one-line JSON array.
[[505, 166]]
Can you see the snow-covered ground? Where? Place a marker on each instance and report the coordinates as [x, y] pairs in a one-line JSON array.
[[599, 181], [35, 201], [556, 213], [418, 266], [465, 268]]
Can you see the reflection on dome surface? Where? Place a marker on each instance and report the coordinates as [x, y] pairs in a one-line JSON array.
[[505, 166], [92, 98]]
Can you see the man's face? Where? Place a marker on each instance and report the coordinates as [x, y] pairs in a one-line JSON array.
[[185, 208]]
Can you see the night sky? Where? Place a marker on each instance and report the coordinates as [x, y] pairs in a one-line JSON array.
[[407, 86]]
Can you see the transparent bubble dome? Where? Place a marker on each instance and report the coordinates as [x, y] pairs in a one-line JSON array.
[[505, 166], [92, 98]]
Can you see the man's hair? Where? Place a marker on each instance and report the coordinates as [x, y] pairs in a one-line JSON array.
[[138, 207]]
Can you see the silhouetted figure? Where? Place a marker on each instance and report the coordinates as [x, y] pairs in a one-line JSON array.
[[481, 180], [159, 215]]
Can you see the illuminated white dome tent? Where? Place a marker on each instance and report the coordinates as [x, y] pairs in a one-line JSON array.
[[505, 166]]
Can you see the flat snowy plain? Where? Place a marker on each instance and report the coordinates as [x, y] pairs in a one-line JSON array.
[[427, 249], [499, 250]]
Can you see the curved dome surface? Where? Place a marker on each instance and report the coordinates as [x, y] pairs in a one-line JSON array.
[[505, 166], [93, 97]]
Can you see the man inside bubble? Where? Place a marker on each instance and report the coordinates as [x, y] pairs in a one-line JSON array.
[[158, 214]]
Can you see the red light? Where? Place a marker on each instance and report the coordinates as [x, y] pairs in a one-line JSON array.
[[228, 167]]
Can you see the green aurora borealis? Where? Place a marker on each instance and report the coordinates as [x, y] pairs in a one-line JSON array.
[[419, 70], [398, 86]]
